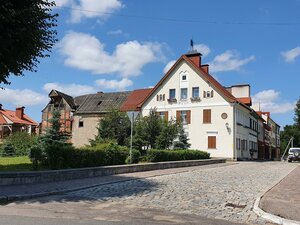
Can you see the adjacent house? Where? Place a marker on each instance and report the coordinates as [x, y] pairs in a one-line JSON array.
[[80, 115], [15, 121], [216, 119]]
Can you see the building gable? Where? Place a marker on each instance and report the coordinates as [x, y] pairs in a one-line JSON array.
[[185, 74]]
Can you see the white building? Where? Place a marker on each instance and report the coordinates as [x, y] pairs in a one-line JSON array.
[[218, 120]]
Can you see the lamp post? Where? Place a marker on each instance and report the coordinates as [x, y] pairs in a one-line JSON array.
[[132, 116]]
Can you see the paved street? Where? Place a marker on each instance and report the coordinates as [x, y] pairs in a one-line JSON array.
[[203, 193]]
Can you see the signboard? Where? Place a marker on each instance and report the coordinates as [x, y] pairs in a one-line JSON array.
[[132, 115]]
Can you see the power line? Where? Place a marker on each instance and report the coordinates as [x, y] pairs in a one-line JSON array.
[[165, 19]]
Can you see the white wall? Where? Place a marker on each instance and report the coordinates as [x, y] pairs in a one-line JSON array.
[[197, 130]]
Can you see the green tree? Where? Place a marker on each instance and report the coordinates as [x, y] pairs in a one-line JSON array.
[[114, 126], [182, 142], [169, 131], [297, 115], [54, 135], [26, 35]]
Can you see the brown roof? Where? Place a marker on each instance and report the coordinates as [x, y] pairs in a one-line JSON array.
[[222, 90], [245, 100], [11, 115], [134, 99]]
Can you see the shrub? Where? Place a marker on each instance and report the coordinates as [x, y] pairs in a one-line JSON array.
[[36, 156], [8, 150], [175, 155], [135, 156], [66, 156], [21, 142]]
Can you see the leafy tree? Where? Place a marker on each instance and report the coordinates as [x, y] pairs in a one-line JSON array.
[[182, 143], [54, 135], [27, 34], [169, 131], [152, 126], [291, 130], [115, 126]]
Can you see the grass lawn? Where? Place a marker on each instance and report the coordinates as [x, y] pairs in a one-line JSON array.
[[14, 164]]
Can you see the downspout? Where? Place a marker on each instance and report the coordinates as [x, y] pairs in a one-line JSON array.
[[234, 133]]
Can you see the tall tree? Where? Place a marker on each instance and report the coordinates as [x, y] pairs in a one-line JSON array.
[[53, 134], [115, 126], [297, 115], [26, 35], [182, 142]]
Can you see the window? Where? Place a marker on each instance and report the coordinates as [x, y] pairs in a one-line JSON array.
[[80, 124], [183, 77], [208, 94], [184, 116], [212, 142], [163, 115], [195, 93], [206, 116], [183, 93], [172, 94], [238, 143]]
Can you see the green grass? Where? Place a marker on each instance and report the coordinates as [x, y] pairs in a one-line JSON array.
[[15, 164]]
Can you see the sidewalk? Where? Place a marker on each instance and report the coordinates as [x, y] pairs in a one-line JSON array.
[[11, 193], [284, 199]]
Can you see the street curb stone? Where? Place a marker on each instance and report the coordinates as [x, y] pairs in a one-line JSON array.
[[270, 217]]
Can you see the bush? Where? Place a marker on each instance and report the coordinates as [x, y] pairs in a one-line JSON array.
[[8, 150], [175, 155], [36, 156], [135, 157], [21, 143], [66, 156]]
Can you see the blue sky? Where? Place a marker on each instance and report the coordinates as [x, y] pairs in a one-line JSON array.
[[110, 45]]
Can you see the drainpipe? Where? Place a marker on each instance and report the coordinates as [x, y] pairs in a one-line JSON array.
[[234, 133]]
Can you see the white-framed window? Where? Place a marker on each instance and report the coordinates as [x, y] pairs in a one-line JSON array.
[[195, 92], [183, 117], [183, 77], [208, 94], [183, 93], [172, 94]]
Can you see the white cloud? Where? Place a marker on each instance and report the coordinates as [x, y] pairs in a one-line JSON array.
[[168, 66], [229, 61], [203, 49], [86, 52], [269, 101], [119, 85], [22, 97], [291, 55], [100, 9], [70, 89]]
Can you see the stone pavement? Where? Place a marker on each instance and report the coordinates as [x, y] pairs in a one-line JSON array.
[[19, 192], [223, 191], [284, 199]]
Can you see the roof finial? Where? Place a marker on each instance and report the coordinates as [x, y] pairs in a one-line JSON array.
[[192, 45]]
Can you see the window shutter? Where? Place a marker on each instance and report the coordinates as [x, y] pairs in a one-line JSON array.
[[212, 142], [212, 94], [204, 94], [188, 116], [164, 96], [167, 116], [157, 97], [209, 116], [178, 116], [206, 116]]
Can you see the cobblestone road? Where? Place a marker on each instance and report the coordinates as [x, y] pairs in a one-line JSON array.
[[216, 192]]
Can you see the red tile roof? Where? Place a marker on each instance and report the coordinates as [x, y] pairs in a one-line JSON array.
[[134, 99], [11, 115], [245, 100]]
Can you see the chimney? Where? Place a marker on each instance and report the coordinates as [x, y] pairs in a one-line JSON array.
[[195, 57], [205, 67], [20, 112]]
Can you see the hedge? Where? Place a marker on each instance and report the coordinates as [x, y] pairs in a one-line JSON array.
[[175, 155], [66, 156]]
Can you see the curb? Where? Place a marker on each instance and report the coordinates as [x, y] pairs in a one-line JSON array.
[[270, 217]]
